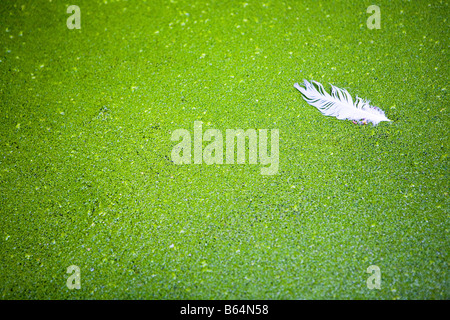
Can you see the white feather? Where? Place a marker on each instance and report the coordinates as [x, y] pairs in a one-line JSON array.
[[340, 104]]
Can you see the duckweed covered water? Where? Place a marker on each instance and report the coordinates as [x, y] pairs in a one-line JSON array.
[[87, 179]]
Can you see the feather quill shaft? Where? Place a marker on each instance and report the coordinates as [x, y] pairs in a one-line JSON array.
[[340, 104]]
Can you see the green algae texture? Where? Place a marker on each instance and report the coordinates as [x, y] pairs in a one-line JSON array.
[[87, 179]]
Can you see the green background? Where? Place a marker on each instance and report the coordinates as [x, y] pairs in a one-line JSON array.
[[86, 177]]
